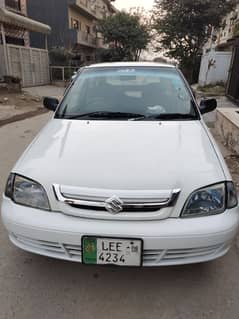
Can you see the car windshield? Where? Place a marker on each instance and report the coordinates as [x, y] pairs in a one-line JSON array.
[[128, 93]]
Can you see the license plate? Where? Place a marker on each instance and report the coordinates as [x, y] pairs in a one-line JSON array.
[[112, 251]]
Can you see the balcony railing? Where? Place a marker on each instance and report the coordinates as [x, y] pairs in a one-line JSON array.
[[86, 38]]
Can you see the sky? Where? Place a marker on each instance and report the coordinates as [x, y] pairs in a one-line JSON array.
[[127, 4]]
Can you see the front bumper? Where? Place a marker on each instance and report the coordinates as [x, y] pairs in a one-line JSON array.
[[172, 241]]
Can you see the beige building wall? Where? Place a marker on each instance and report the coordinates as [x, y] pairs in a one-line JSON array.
[[26, 35], [229, 22], [24, 7], [85, 25], [83, 21], [86, 35], [24, 11], [100, 9]]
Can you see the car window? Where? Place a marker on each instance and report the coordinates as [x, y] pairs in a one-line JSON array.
[[136, 90]]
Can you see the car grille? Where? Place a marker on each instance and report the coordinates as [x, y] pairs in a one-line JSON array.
[[53, 249], [170, 256], [158, 257], [126, 208], [106, 201]]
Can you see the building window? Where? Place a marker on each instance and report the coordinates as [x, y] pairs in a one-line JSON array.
[[75, 24], [15, 41], [13, 4]]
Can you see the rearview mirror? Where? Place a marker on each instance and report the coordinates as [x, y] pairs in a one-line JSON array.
[[50, 103], [208, 105]]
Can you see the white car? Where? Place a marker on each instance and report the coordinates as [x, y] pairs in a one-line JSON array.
[[125, 173]]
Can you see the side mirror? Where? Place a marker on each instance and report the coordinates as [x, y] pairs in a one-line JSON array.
[[208, 105], [50, 103]]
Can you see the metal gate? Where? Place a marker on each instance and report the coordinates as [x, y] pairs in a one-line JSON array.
[[29, 64], [233, 83]]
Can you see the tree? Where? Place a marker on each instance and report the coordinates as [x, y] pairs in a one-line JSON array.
[[60, 56], [184, 26], [145, 17], [126, 35]]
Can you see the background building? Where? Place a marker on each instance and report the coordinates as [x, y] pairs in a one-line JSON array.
[[13, 35], [73, 24], [18, 59]]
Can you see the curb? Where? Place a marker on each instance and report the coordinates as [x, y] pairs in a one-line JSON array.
[[21, 117]]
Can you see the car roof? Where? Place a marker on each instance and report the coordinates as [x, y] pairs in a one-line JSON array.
[[130, 64]]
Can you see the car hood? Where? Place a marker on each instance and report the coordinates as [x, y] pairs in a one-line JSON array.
[[122, 155]]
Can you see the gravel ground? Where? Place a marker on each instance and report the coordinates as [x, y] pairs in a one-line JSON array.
[[15, 107], [18, 106]]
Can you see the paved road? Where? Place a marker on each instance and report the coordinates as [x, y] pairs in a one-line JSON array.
[[35, 287]]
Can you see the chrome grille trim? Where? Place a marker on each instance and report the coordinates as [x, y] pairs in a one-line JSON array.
[[84, 200]]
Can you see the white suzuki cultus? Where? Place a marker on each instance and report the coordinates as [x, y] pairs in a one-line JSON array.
[[126, 173]]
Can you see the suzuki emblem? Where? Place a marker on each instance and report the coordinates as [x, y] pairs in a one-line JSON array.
[[114, 205]]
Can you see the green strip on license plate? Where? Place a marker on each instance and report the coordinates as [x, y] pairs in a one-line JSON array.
[[90, 250]]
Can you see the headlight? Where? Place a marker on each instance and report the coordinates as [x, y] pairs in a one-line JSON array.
[[211, 200], [26, 192], [206, 201]]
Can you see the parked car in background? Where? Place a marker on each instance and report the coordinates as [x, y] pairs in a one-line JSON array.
[[125, 173]]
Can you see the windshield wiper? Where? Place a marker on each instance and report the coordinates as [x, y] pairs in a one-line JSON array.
[[105, 114], [167, 116]]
